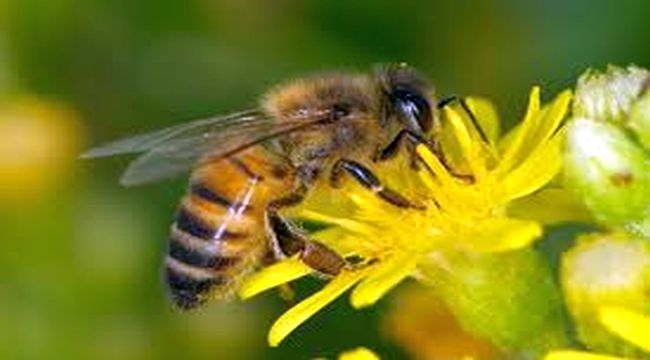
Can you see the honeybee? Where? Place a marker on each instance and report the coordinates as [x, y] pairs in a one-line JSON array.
[[247, 166]]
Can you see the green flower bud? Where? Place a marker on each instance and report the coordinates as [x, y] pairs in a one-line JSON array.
[[510, 299], [609, 96], [606, 270], [611, 173]]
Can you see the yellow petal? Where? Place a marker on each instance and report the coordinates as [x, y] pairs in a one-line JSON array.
[[348, 224], [327, 200], [549, 206], [514, 140], [577, 355], [344, 242], [272, 276], [630, 325], [384, 277], [552, 119], [439, 171], [461, 140], [468, 141], [533, 173], [360, 353], [295, 316], [486, 116], [537, 129], [503, 234]]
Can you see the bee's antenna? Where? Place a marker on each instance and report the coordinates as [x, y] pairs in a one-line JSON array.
[[463, 104]]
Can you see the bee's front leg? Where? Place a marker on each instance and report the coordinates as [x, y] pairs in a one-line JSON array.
[[409, 139], [403, 138]]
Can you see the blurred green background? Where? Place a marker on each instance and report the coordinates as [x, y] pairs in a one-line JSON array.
[[80, 257]]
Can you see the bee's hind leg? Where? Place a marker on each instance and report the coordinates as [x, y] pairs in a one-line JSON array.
[[288, 240]]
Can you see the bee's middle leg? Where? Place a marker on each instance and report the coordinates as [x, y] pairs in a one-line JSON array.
[[367, 179]]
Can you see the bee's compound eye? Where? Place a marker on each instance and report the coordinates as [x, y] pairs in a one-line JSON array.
[[415, 108]]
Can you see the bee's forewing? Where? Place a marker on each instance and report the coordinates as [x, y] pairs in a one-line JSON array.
[[177, 149]]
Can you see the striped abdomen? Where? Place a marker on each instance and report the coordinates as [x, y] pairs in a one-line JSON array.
[[219, 234]]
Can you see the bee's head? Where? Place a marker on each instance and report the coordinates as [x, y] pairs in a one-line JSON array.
[[407, 99]]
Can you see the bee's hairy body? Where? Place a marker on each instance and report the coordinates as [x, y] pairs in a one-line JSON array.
[[204, 262], [248, 166]]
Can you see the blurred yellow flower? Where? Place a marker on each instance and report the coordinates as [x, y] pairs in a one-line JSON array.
[[466, 202], [425, 328], [360, 353], [629, 325], [578, 355], [39, 141], [604, 278]]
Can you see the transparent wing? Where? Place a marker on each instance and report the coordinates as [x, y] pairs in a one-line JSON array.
[[149, 141], [177, 149]]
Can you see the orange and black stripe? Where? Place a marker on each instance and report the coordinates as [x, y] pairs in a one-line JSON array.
[[206, 252]]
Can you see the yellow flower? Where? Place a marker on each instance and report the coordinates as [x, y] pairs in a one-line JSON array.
[[467, 207], [627, 324]]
